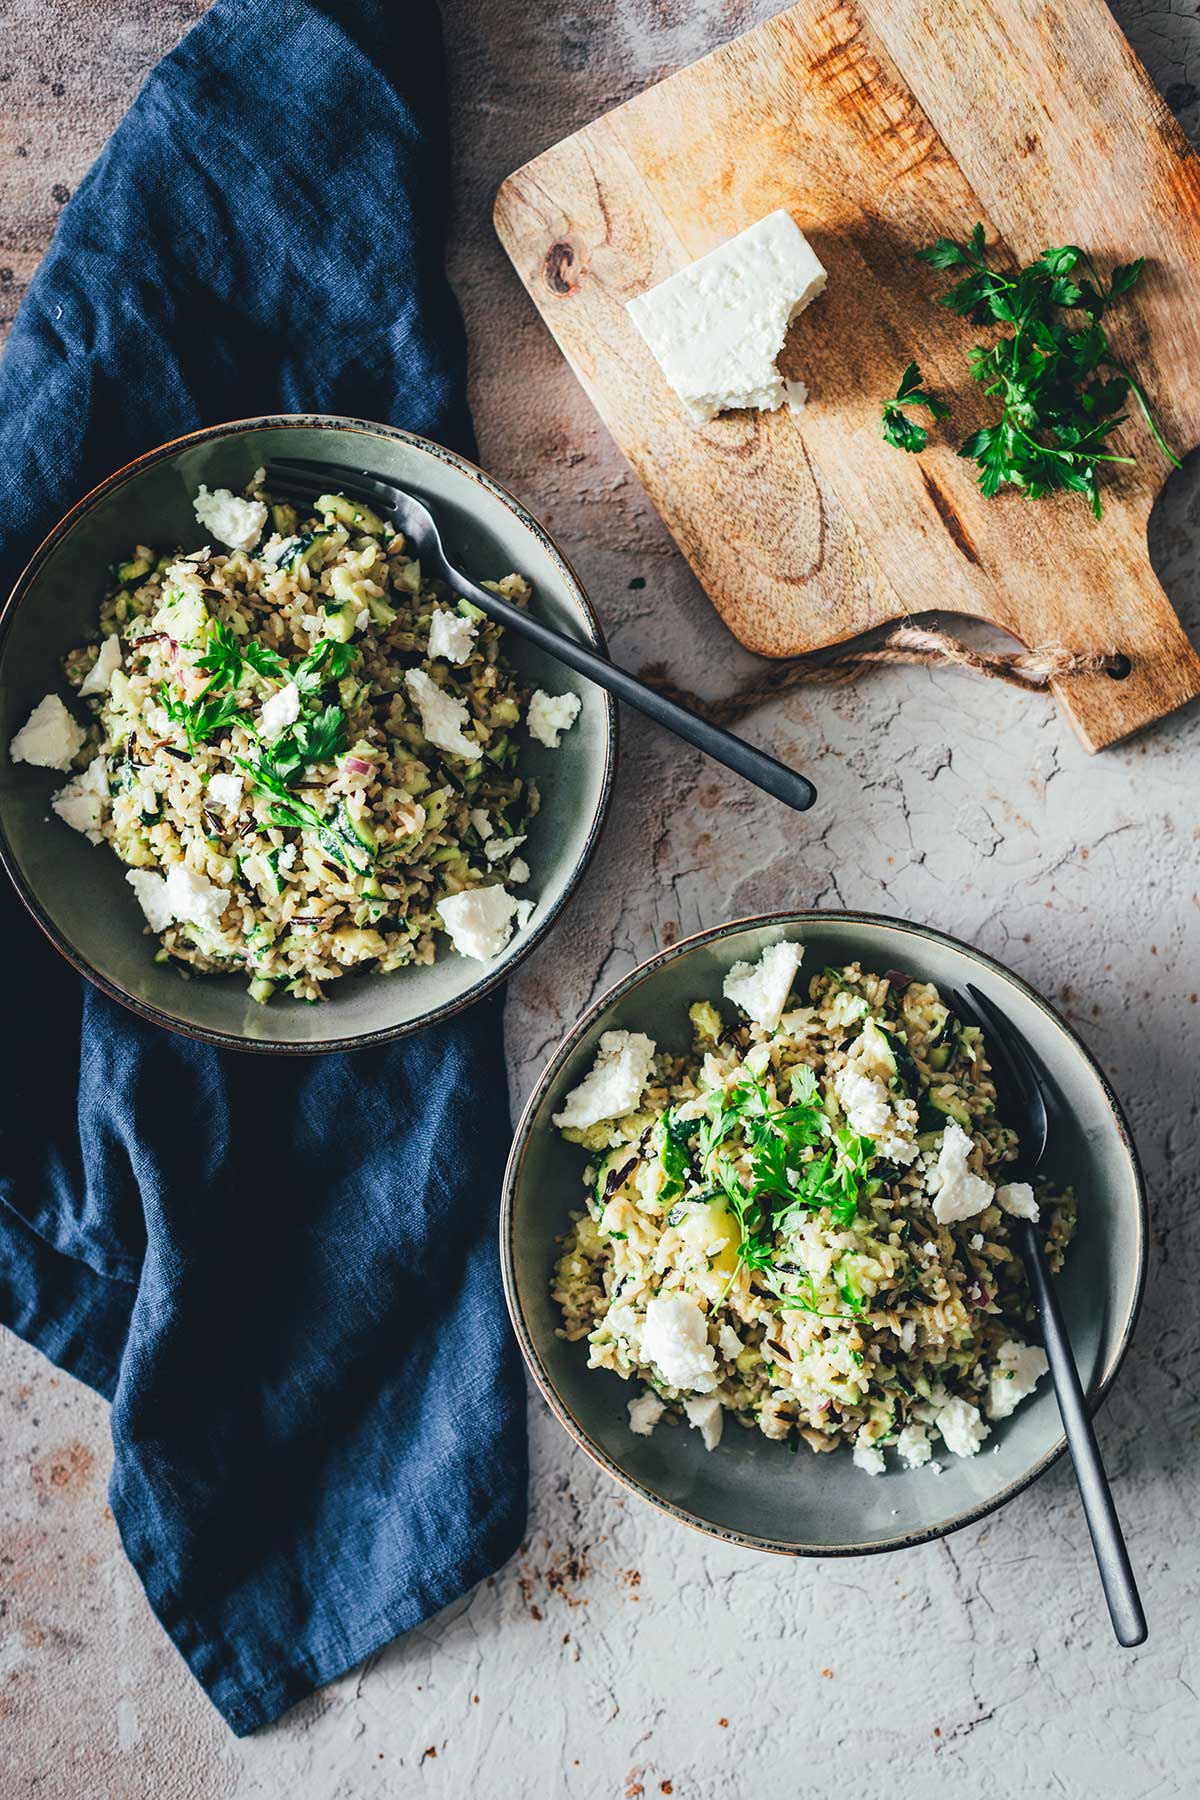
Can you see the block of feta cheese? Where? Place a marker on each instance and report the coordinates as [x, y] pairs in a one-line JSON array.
[[81, 803], [717, 326], [226, 790], [101, 672], [1019, 1368], [958, 1192], [442, 716], [479, 921], [151, 891], [193, 899], [761, 989], [675, 1340], [451, 636], [914, 1446], [961, 1426], [708, 1417], [644, 1413], [179, 895], [279, 711], [231, 520], [868, 1109], [1016, 1199], [49, 738], [613, 1086], [549, 715], [868, 1456]]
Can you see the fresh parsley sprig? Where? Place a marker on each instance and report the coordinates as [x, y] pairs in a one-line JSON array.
[[226, 660], [289, 811], [204, 718], [896, 427], [329, 661], [1061, 388]]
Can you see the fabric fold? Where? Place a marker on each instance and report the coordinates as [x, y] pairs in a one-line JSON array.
[[283, 1273]]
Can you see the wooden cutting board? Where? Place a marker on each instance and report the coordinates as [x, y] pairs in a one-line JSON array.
[[881, 126]]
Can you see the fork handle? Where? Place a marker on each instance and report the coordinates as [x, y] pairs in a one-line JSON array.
[[752, 765], [1116, 1575]]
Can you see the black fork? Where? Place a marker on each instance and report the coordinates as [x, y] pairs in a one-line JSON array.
[[307, 480], [1024, 1095]]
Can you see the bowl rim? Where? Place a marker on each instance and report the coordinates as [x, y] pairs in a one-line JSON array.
[[487, 983], [512, 1174]]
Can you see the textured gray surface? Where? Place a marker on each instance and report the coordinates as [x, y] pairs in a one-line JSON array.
[[620, 1655]]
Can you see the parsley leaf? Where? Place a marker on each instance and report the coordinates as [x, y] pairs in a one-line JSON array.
[[896, 427], [1058, 407], [205, 718], [329, 661], [225, 661]]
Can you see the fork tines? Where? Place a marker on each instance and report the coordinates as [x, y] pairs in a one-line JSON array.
[[308, 479]]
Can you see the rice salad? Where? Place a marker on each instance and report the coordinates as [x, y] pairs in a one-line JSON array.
[[307, 753], [804, 1222]]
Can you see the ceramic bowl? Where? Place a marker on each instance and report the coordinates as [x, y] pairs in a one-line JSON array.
[[77, 892], [749, 1490]]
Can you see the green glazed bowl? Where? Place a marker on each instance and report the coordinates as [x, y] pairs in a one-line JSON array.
[[77, 891], [749, 1490]]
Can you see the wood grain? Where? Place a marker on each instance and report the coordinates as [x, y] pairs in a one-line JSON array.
[[880, 126]]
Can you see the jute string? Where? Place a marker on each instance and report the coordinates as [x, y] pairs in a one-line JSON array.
[[1032, 670]]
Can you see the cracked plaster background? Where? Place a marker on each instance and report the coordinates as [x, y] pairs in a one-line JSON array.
[[620, 1655]]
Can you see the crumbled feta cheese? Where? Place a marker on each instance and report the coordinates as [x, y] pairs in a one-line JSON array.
[[958, 1194], [644, 1413], [151, 891], [549, 715], [1016, 1199], [451, 636], [193, 899], [49, 738], [975, 1241], [80, 804], [867, 1457], [481, 822], [729, 1343], [718, 325], [287, 856], [864, 1101], [280, 711], [479, 921], [708, 1418], [501, 847], [442, 716], [913, 1445], [226, 790], [796, 393], [961, 1426], [675, 1339], [362, 619], [518, 871], [238, 523], [757, 1059], [101, 672], [1019, 1368], [614, 1084], [761, 989], [525, 912], [935, 1468]]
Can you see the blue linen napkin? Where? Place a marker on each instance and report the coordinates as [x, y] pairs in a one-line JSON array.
[[283, 1274]]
